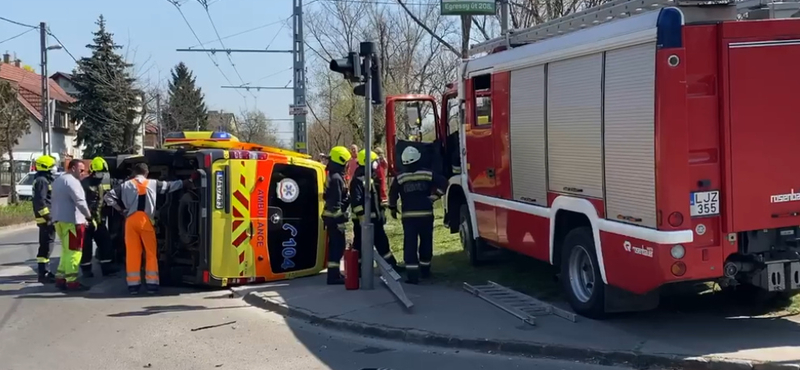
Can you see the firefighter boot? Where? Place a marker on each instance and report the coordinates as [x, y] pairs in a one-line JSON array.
[[45, 277], [412, 276], [151, 288], [334, 276], [425, 271], [108, 269], [86, 271]]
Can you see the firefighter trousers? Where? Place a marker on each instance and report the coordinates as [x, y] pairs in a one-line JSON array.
[[381, 241], [100, 236], [418, 243], [335, 247], [140, 235], [47, 237], [71, 236]]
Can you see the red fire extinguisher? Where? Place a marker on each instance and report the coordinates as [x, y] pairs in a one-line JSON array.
[[351, 268]]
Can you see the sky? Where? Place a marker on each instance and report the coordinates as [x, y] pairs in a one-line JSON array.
[[151, 30]]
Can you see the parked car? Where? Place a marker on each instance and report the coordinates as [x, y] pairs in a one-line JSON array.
[[25, 186]]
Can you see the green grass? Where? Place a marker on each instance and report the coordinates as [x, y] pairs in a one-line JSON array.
[[13, 214], [450, 265]]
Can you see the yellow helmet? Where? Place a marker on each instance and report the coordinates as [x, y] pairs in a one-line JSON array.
[[98, 165], [340, 155], [362, 155], [45, 163]]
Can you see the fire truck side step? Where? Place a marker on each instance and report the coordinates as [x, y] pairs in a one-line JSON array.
[[522, 306]]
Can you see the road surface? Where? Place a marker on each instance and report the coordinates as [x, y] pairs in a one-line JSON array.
[[104, 328]]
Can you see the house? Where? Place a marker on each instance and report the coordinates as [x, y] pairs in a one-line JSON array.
[[221, 121], [151, 136], [29, 85]]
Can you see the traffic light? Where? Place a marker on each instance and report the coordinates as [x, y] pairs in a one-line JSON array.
[[375, 82], [349, 66]]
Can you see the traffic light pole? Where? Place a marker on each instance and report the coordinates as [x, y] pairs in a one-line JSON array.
[[367, 236]]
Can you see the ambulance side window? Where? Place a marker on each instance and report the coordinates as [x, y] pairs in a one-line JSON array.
[[482, 91]]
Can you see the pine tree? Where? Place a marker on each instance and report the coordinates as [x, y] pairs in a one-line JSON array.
[[185, 108], [107, 100]]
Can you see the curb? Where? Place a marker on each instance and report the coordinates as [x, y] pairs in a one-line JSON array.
[[16, 227], [585, 355]]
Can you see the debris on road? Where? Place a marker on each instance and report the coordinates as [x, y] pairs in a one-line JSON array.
[[214, 326]]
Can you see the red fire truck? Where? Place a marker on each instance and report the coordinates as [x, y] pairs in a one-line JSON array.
[[634, 146]]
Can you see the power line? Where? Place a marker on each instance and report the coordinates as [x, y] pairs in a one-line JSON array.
[[18, 35], [216, 32], [267, 76], [380, 2], [62, 45], [175, 3], [17, 23], [245, 31]]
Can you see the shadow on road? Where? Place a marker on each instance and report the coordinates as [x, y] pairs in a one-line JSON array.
[[155, 310]]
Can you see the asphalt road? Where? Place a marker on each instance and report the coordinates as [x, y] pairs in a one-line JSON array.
[[190, 329]]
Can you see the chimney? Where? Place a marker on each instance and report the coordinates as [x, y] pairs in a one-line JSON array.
[[17, 63], [6, 57]]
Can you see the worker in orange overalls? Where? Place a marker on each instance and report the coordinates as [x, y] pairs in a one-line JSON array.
[[138, 197]]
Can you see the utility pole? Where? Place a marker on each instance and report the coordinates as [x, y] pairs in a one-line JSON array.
[[504, 5], [158, 121], [46, 129], [299, 109]]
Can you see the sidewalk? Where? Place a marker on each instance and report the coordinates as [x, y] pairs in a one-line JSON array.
[[454, 318]]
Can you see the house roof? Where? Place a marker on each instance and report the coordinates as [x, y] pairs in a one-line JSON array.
[[30, 88], [64, 75]]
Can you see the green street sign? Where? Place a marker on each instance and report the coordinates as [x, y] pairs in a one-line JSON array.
[[469, 7]]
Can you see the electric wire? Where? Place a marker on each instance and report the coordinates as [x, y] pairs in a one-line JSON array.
[[222, 43], [17, 35]]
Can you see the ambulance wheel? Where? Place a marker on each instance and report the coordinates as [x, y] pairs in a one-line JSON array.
[[474, 248], [580, 274]]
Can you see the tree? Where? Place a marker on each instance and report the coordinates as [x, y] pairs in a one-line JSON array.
[[185, 108], [14, 124], [254, 127], [107, 101]]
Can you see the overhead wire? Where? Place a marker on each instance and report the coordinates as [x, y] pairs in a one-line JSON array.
[[245, 31], [17, 23], [203, 45], [17, 35], [222, 43]]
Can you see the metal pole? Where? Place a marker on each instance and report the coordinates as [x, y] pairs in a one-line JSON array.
[[504, 20], [158, 121], [45, 90], [299, 80], [367, 236]]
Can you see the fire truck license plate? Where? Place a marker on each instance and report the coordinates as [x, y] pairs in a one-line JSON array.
[[705, 203]]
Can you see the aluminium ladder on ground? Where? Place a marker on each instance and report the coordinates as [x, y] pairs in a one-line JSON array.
[[623, 8], [522, 306]]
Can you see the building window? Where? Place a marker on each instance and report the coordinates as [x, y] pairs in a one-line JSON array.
[[60, 120]]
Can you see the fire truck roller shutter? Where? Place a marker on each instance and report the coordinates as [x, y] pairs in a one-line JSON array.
[[629, 134], [527, 135], [574, 126]]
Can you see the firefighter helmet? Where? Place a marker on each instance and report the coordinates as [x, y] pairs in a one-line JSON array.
[[45, 163], [340, 155], [362, 156], [410, 155], [98, 165]]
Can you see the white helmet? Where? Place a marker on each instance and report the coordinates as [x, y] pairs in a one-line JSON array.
[[410, 155]]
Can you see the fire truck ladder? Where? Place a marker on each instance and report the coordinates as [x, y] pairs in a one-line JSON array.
[[522, 306], [616, 9]]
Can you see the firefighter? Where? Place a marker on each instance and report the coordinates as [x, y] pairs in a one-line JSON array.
[[417, 188], [42, 187], [96, 185], [138, 197], [378, 217], [71, 215], [333, 215]]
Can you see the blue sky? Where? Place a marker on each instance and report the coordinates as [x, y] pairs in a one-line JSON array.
[[153, 29]]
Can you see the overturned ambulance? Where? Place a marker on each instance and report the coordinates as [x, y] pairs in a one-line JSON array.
[[253, 216]]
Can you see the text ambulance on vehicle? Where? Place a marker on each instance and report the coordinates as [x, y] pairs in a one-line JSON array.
[[253, 217], [652, 149]]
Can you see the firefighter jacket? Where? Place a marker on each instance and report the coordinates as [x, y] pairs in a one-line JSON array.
[[95, 188], [335, 195], [417, 189], [42, 188], [357, 194]]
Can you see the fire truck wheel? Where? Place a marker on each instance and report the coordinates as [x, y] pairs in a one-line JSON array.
[[581, 274], [473, 247]]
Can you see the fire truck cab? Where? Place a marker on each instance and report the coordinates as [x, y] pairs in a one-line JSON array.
[[655, 147]]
